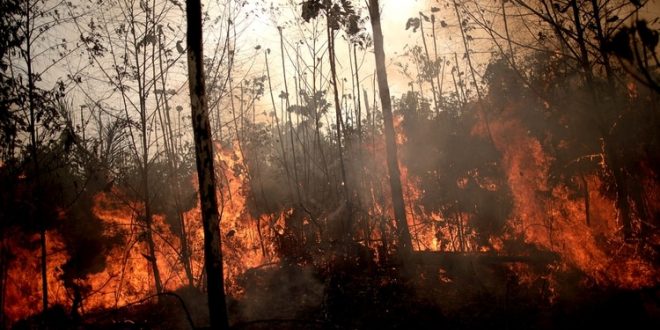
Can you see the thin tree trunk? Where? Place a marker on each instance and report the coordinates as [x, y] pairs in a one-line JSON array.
[[439, 80], [148, 216], [428, 59], [587, 200], [291, 130], [584, 54], [4, 269], [185, 249], [403, 232], [279, 130], [213, 263], [508, 37], [601, 40], [35, 161], [357, 95], [458, 85], [338, 117], [474, 75]]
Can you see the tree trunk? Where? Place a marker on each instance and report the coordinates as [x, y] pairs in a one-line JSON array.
[[357, 94], [587, 200], [338, 116], [294, 159], [148, 216], [403, 233], [35, 160], [584, 53], [428, 60], [473, 74], [4, 270], [205, 172], [173, 165], [439, 80], [279, 130]]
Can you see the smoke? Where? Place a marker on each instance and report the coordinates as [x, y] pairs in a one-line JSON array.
[[280, 292]]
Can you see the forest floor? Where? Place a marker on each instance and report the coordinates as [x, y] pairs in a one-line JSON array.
[[362, 295]]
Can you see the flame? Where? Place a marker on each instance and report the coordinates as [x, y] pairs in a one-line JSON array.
[[23, 291], [247, 240], [542, 215], [128, 275], [549, 218]]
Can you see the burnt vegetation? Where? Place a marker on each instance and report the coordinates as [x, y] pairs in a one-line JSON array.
[[510, 180]]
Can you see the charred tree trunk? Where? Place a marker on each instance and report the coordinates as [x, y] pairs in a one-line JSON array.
[[148, 218], [587, 200], [403, 232], [35, 160], [4, 270], [205, 171], [621, 189]]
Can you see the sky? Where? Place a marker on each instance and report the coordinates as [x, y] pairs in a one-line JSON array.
[[260, 28], [257, 21]]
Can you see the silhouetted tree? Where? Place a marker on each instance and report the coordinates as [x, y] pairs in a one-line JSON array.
[[403, 232], [205, 169]]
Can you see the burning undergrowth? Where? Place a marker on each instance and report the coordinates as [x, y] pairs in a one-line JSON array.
[[514, 222]]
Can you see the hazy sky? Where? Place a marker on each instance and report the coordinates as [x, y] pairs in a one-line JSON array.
[[261, 29], [257, 24]]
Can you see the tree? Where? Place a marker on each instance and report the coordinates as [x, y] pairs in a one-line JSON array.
[[403, 232], [28, 102], [205, 169], [132, 34]]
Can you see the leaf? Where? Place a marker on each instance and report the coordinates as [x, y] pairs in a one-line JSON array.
[[435, 9], [353, 27], [620, 44], [649, 37], [414, 23], [178, 4], [310, 9], [612, 19], [148, 39], [348, 7]]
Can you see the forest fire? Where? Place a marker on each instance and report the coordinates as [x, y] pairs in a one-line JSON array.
[[515, 186], [549, 217], [553, 222], [127, 277], [23, 287]]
